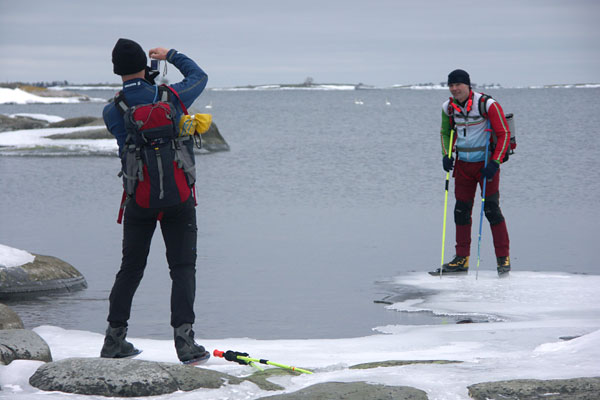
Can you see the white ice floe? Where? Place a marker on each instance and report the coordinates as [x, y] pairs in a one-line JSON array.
[[537, 309], [488, 297], [11, 257]]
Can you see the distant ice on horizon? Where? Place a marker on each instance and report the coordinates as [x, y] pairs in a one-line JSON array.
[[18, 96]]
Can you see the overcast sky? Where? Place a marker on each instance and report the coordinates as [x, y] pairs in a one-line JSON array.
[[513, 42]]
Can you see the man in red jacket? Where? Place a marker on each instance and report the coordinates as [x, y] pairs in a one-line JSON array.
[[475, 119]]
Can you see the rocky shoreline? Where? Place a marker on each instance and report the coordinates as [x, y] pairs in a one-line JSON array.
[[212, 140], [126, 378]]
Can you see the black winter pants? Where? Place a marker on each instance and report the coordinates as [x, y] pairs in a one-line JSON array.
[[179, 230]]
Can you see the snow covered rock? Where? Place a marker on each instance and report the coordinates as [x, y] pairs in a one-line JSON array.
[[20, 122], [37, 121], [43, 273], [22, 344]]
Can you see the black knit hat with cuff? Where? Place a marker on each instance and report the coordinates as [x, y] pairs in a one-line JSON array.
[[128, 57], [459, 76]]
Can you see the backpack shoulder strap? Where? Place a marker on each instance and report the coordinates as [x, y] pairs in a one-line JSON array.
[[171, 90], [121, 103], [483, 104], [164, 94], [450, 109], [450, 112]]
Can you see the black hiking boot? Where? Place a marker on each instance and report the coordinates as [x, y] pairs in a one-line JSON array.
[[458, 266], [188, 351], [115, 345], [503, 266]]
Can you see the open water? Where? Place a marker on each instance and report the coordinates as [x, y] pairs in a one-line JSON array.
[[317, 206]]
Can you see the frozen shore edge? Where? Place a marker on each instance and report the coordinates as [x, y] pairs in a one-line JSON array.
[[126, 378]]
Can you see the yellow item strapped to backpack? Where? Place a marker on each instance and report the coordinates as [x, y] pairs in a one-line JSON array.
[[194, 124]]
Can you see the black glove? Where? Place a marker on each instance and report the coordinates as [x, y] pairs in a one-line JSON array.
[[232, 356], [490, 170], [448, 163]]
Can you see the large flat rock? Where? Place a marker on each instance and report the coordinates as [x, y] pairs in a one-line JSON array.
[[44, 273], [124, 377], [352, 391], [535, 389]]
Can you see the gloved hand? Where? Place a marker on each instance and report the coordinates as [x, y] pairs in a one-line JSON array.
[[448, 163], [490, 170], [150, 75], [231, 355]]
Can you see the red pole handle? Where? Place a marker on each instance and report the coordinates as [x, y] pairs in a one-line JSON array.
[[218, 353]]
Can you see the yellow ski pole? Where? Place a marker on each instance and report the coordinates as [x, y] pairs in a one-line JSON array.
[[242, 358], [446, 202]]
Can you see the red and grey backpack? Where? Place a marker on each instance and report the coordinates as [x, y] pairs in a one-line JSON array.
[[482, 107], [158, 167]]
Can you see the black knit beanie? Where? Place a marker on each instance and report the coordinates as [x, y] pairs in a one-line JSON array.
[[459, 76], [128, 57]]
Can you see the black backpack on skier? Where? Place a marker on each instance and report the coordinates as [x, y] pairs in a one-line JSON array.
[[158, 166]]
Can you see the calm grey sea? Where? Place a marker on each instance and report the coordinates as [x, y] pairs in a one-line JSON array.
[[319, 203]]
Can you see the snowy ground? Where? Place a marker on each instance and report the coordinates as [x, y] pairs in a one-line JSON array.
[[529, 313]]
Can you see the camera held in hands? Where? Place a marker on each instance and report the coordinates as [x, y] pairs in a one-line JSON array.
[[152, 71]]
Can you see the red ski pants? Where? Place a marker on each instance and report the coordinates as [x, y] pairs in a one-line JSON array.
[[467, 176]]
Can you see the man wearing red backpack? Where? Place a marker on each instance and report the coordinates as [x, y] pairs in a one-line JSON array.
[[477, 120], [173, 207]]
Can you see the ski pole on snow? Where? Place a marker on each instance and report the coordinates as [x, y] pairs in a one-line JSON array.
[[244, 359], [446, 203], [231, 355], [487, 145]]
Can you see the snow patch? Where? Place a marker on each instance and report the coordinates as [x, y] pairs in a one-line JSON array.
[[11, 257]]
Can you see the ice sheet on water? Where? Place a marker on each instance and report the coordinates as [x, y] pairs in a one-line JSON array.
[[523, 296], [538, 308]]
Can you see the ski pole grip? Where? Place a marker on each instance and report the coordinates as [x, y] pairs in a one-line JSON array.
[[218, 353]]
